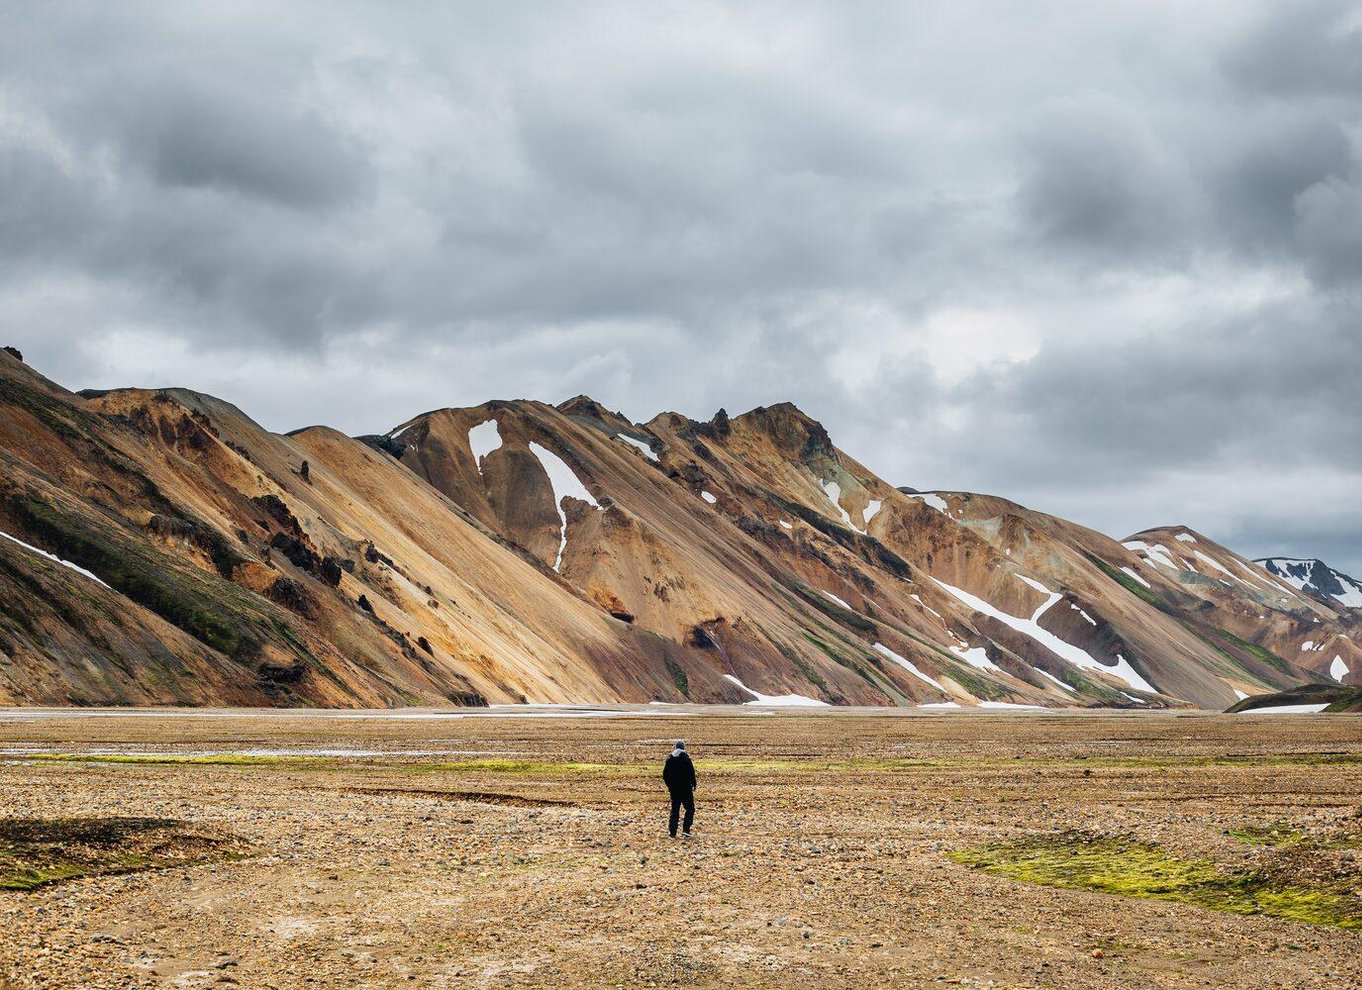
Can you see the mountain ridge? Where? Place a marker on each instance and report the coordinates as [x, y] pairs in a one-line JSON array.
[[518, 550]]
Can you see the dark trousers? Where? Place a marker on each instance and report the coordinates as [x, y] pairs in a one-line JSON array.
[[682, 799]]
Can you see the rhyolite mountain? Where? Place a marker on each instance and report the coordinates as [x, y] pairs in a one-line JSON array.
[[162, 548]]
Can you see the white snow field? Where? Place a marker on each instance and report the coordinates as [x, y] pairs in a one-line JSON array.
[[777, 700], [935, 501], [1156, 552], [1130, 573], [1288, 710], [638, 445], [1051, 677], [872, 508], [974, 656], [564, 483], [1122, 670], [482, 440], [834, 493], [908, 665]]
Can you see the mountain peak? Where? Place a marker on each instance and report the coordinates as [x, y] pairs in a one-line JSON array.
[[792, 430], [586, 408], [1312, 575]]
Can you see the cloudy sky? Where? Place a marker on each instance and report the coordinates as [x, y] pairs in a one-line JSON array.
[[1104, 259]]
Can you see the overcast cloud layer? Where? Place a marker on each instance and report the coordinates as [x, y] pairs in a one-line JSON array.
[[1104, 259]]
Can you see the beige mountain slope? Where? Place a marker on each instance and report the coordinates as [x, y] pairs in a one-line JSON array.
[[236, 579], [1316, 632], [778, 540], [519, 551]]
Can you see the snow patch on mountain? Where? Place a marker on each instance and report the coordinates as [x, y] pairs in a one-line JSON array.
[[908, 665], [975, 656], [1090, 620], [1213, 563], [640, 446], [776, 700], [1185, 538], [1155, 552], [709, 497], [565, 484], [926, 606], [872, 507], [1130, 573], [1043, 590], [1058, 683], [54, 558], [482, 440], [834, 493], [833, 598], [1287, 710], [935, 501], [1122, 670], [1338, 669]]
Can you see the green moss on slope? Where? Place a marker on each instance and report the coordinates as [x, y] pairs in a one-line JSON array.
[[1261, 652], [1133, 869]]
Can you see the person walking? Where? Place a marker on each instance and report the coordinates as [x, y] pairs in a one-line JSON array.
[[678, 773]]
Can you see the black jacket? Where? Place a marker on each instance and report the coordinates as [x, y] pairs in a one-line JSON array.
[[679, 772]]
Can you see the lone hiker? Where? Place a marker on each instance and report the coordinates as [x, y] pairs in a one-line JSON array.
[[678, 773]]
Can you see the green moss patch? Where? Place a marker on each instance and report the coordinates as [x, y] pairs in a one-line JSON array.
[[678, 676], [1261, 652], [1281, 835], [805, 668], [1128, 582], [1134, 869], [35, 852], [834, 611]]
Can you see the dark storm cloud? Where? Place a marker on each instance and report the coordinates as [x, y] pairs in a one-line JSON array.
[[230, 138], [1311, 48], [1101, 178], [1103, 259]]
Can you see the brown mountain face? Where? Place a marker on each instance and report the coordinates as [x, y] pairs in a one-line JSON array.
[[163, 548]]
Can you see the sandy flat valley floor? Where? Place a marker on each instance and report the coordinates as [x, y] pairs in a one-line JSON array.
[[292, 849]]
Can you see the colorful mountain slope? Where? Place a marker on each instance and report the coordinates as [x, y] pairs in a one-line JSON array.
[[520, 551]]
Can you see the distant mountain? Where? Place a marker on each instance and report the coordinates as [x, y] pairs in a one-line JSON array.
[[163, 548], [1316, 577], [1306, 698]]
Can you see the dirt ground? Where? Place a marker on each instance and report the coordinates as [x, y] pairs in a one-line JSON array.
[[532, 852]]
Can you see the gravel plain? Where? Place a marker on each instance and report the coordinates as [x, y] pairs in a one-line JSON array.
[[531, 851]]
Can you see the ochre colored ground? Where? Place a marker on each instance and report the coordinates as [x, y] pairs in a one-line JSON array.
[[532, 852]]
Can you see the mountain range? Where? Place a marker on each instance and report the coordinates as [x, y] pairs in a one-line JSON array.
[[160, 547]]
